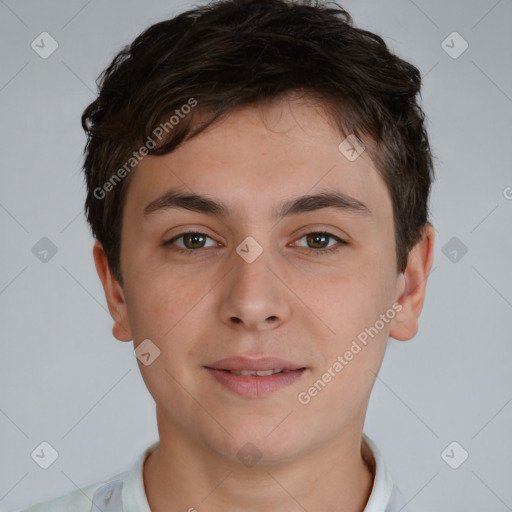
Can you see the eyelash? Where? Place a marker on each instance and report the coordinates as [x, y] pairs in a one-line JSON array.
[[328, 250]]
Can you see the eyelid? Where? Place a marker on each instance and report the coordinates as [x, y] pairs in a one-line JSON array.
[[322, 228]]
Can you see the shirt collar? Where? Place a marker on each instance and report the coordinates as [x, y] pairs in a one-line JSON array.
[[134, 494], [382, 482]]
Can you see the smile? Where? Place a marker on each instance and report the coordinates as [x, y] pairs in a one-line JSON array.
[[259, 373], [255, 383]]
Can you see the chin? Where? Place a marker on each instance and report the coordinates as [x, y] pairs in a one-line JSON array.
[[258, 443]]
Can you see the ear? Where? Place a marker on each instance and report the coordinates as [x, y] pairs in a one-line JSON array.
[[114, 295], [411, 289]]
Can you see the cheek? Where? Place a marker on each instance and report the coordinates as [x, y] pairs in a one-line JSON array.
[[352, 356], [169, 310], [352, 308], [153, 306], [349, 303]]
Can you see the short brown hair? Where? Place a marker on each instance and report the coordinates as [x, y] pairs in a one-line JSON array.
[[232, 54]]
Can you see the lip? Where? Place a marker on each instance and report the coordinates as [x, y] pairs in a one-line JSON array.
[[261, 363], [252, 385]]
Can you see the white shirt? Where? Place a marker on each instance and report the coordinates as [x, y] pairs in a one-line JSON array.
[[125, 492]]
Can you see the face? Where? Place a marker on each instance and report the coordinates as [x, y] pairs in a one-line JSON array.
[[304, 286]]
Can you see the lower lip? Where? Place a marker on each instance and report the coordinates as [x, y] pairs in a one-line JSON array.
[[254, 386]]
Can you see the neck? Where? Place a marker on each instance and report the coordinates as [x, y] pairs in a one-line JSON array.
[[180, 474]]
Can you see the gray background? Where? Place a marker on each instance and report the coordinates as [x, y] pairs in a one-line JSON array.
[[64, 379]]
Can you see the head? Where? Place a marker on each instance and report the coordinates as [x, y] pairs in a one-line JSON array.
[[241, 107]]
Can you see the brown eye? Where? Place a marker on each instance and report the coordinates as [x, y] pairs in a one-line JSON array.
[[193, 240], [318, 242], [190, 240]]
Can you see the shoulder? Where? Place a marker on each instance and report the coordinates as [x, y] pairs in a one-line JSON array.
[[396, 501], [108, 495], [91, 498]]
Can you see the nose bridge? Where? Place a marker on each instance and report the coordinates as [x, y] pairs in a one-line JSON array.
[[252, 295]]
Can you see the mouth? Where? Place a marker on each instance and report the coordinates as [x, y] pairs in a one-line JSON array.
[[258, 373], [255, 377], [261, 364]]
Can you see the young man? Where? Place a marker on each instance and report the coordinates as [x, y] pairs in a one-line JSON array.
[[258, 176]]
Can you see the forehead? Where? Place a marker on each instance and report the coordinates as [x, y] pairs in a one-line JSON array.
[[258, 157]]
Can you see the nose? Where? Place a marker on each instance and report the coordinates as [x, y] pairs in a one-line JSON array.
[[253, 295]]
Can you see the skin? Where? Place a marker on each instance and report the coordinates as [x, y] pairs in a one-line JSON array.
[[203, 307]]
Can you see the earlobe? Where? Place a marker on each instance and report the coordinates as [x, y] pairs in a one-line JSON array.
[[411, 289], [113, 294]]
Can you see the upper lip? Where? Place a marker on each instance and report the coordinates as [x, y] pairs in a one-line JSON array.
[[262, 364]]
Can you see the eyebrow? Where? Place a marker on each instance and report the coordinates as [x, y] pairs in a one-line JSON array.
[[307, 203]]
